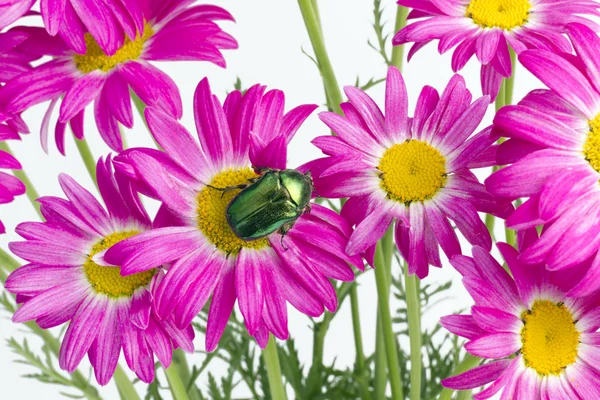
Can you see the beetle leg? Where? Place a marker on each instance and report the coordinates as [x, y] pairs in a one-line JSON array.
[[284, 230], [229, 188], [307, 209], [262, 170]]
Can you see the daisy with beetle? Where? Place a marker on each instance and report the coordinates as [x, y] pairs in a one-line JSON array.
[[236, 225], [230, 243]]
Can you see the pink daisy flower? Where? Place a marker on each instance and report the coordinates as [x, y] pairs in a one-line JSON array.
[[10, 186], [69, 281], [75, 80], [12, 63], [486, 28], [13, 60], [12, 10], [249, 131], [414, 170], [108, 21], [554, 149], [537, 342]]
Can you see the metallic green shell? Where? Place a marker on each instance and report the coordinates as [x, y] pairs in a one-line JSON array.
[[278, 198]]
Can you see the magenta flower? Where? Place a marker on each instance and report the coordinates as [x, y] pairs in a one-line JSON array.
[[12, 10], [486, 28], [10, 186], [415, 170], [68, 280], [541, 343], [171, 33], [12, 63], [108, 21], [554, 149], [249, 130]]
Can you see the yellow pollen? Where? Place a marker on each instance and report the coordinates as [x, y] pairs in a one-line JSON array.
[[212, 205], [108, 280], [412, 171], [505, 14], [591, 148], [95, 58], [549, 337]]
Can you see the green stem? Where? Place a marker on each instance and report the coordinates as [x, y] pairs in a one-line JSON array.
[[7, 262], [360, 355], [387, 245], [31, 193], [313, 28], [398, 51], [3, 275], [466, 364], [464, 395], [87, 157], [504, 97], [274, 370], [511, 236], [386, 324], [180, 362], [177, 388], [124, 385], [414, 332], [510, 82], [380, 382]]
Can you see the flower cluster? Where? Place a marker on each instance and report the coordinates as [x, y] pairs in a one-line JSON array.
[[236, 224], [490, 29], [540, 324]]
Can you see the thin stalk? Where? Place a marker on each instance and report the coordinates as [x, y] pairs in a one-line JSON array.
[[180, 362], [414, 332], [124, 385], [510, 82], [398, 51], [175, 384], [387, 245], [274, 371], [3, 275], [313, 28], [319, 345], [511, 236], [490, 220], [464, 395], [7, 262], [466, 364], [381, 280], [380, 362], [360, 355], [87, 157], [31, 193]]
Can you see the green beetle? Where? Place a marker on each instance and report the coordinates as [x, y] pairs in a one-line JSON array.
[[269, 203]]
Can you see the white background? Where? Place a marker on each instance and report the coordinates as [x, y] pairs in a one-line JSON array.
[[271, 35]]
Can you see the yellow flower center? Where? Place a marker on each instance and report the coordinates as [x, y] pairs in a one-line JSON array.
[[212, 206], [549, 337], [591, 148], [505, 14], [108, 280], [95, 58], [412, 171]]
